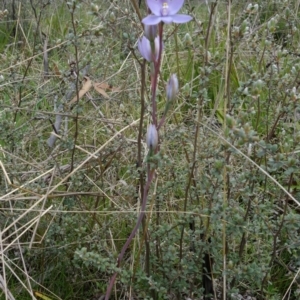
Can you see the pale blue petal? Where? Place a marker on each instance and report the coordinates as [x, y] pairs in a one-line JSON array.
[[167, 19], [151, 20], [145, 48], [174, 6], [181, 18], [155, 6]]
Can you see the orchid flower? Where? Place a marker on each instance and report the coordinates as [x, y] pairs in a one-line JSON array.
[[145, 48], [165, 11]]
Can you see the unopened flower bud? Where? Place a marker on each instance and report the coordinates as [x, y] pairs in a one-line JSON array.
[[95, 8], [188, 40], [172, 88], [249, 8], [112, 17], [145, 48], [208, 56], [152, 137], [150, 32]]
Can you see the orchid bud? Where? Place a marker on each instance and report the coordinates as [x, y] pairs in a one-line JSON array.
[[144, 46], [156, 47], [172, 88], [152, 137], [150, 32]]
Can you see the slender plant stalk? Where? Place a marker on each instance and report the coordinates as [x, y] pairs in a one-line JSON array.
[[276, 236], [38, 21], [281, 114], [133, 233], [137, 9], [150, 168], [191, 173], [76, 83], [210, 27], [244, 236], [141, 181], [154, 77], [225, 175]]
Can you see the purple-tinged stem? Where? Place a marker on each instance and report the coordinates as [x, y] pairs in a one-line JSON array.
[[154, 81], [161, 122], [154, 78], [133, 232]]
